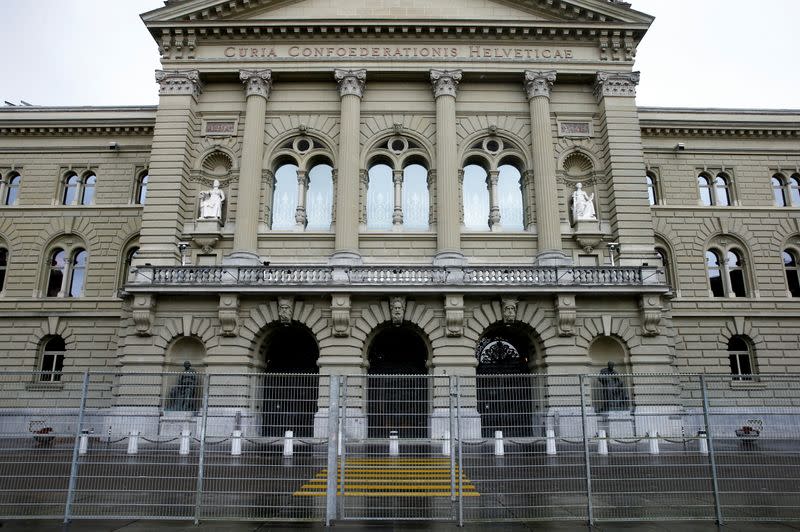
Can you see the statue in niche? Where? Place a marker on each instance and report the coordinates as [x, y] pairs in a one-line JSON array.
[[211, 203], [613, 396], [582, 205], [397, 307], [185, 395]]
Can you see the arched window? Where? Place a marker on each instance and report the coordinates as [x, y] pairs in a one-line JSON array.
[[779, 190], [130, 254], [12, 189], [380, 194], [722, 192], [662, 253], [509, 199], [416, 203], [67, 272], [652, 193], [140, 194], [320, 197], [794, 190], [790, 265], [786, 190], [284, 199], [3, 267], [476, 198], [704, 187], [89, 181], [740, 357], [71, 186], [79, 190], [727, 278], [52, 360]]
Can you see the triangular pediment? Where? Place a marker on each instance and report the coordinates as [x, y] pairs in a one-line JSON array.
[[518, 11]]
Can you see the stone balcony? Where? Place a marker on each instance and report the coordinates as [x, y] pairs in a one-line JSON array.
[[388, 279]]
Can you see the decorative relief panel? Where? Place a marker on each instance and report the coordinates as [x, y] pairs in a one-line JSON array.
[[144, 313], [340, 315], [229, 314], [651, 310], [454, 315], [566, 314]]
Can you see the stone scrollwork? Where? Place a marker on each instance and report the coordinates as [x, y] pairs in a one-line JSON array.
[[144, 313], [257, 82], [285, 310], [650, 307], [539, 83], [509, 305], [566, 314], [351, 81], [179, 82], [397, 309], [340, 315], [616, 84], [229, 314], [445, 82], [454, 315]]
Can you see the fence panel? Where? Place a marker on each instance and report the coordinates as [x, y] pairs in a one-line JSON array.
[[755, 421], [39, 415]]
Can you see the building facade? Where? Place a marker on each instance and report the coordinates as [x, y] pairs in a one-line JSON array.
[[350, 188]]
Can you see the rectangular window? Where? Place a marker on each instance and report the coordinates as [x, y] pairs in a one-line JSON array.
[[740, 366], [52, 365]]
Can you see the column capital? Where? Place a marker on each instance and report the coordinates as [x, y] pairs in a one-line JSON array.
[[615, 84], [257, 82], [351, 81], [179, 82], [445, 82], [539, 82]]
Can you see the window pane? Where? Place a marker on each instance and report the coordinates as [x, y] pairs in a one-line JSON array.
[[476, 198], [651, 190], [380, 198], [416, 203], [78, 274], [13, 190], [510, 198], [88, 190], [284, 201], [56, 279], [142, 195], [705, 190], [737, 343], [777, 192], [55, 344], [71, 190], [794, 190], [3, 264], [792, 273], [734, 363], [744, 364], [714, 277], [319, 203], [48, 361], [733, 263], [722, 193]]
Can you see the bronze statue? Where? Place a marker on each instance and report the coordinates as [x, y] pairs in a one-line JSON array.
[[613, 396], [185, 395]]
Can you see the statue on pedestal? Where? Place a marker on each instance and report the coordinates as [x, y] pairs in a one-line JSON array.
[[582, 205], [211, 203], [185, 395], [613, 396]]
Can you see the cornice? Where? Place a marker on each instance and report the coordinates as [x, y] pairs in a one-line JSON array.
[[57, 129], [721, 130]]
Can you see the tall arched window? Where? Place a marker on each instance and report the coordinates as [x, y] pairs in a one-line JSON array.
[[78, 190], [662, 253], [12, 188], [779, 190], [284, 202], [52, 360], [416, 203], [652, 192], [71, 187], [722, 190], [727, 278], [704, 187], [380, 198], [509, 199], [741, 359], [3, 267], [715, 191], [130, 254], [320, 197], [67, 272], [89, 182], [476, 198], [735, 266], [792, 268], [140, 194], [786, 190], [794, 190]]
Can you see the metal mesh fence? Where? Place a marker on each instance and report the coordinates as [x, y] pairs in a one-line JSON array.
[[289, 447]]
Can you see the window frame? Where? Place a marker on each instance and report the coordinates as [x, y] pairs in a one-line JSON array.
[[52, 375], [68, 271], [722, 253], [735, 358], [140, 187], [653, 185], [7, 186], [712, 178], [791, 270], [85, 192], [789, 186]]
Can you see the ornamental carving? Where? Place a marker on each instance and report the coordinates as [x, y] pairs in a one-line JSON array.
[[445, 82], [285, 310], [144, 314], [351, 81], [616, 84], [539, 83], [650, 307], [454, 315], [566, 314], [228, 314], [340, 315], [256, 82], [179, 82], [397, 309], [509, 305]]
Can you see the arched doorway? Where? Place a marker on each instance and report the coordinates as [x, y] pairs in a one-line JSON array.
[[505, 386], [397, 395], [290, 386]]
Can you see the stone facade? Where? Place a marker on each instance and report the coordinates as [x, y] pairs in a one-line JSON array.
[[246, 96]]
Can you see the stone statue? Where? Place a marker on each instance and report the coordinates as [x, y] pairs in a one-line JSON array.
[[285, 310], [509, 309], [211, 203], [582, 204], [397, 306], [185, 395], [613, 396]]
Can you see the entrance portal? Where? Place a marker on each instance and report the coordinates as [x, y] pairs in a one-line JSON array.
[[291, 385], [397, 394], [505, 386]]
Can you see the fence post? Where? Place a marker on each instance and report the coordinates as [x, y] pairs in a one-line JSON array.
[[341, 447], [73, 473], [585, 437], [201, 458], [333, 446], [451, 448], [460, 454], [711, 454]]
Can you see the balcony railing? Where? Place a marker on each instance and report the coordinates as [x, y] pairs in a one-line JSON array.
[[425, 278]]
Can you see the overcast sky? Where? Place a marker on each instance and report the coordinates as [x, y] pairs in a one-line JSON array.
[[698, 53]]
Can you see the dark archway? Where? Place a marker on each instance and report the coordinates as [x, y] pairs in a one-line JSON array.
[[397, 392], [505, 386], [290, 387]]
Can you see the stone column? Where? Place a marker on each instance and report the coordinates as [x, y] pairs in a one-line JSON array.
[[170, 166], [494, 205], [397, 215], [448, 228], [300, 216], [548, 223], [351, 89], [245, 239], [630, 219]]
